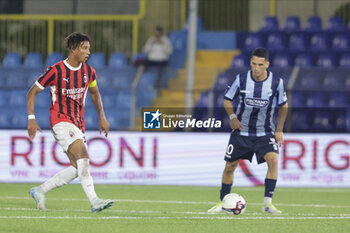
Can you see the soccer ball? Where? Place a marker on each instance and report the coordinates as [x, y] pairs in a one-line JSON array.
[[233, 203]]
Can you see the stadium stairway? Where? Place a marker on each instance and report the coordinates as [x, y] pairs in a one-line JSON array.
[[207, 66]]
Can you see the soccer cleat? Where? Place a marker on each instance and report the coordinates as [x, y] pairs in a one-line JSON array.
[[98, 205], [216, 208], [39, 196], [270, 208]]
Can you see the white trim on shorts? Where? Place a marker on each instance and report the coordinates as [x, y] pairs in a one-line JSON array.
[[66, 133]]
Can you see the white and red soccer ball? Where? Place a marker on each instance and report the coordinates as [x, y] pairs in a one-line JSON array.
[[233, 203]]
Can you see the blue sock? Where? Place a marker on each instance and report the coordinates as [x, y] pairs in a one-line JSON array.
[[225, 189], [270, 185]]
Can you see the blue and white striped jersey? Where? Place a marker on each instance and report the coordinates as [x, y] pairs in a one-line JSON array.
[[258, 101]]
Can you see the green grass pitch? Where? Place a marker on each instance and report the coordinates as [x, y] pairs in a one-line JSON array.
[[172, 209]]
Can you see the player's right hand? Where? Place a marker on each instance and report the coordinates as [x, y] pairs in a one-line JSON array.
[[235, 124], [32, 128]]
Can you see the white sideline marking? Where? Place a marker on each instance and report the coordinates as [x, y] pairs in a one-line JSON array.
[[166, 218], [170, 212], [185, 202]]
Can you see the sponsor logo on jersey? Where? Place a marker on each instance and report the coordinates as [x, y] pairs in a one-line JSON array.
[[256, 102]]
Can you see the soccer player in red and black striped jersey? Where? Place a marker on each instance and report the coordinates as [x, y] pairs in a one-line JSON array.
[[69, 81]]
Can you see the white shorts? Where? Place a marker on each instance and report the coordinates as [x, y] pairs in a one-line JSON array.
[[66, 133]]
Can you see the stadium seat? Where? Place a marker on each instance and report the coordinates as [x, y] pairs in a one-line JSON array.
[[309, 80], [313, 24], [144, 96], [178, 39], [203, 101], [97, 60], [298, 100], [333, 81], [43, 117], [177, 59], [53, 58], [12, 60], [124, 99], [322, 122], [109, 99], [5, 117], [253, 41], [91, 120], [43, 99], [117, 60], [316, 100], [19, 118], [105, 78], [297, 42], [326, 60], [122, 80], [4, 98], [335, 24], [292, 24], [32, 75], [222, 82], [276, 42], [15, 79], [341, 43], [300, 120], [216, 40], [199, 24], [239, 61], [270, 24], [319, 42], [18, 98], [138, 59], [337, 100], [282, 60], [344, 60], [304, 60], [33, 60]]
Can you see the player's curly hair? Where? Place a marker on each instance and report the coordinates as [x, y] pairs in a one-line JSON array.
[[74, 40]]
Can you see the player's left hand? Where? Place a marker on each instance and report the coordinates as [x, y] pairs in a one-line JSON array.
[[279, 138], [104, 125]]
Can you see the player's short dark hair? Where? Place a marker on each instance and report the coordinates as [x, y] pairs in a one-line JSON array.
[[261, 52], [74, 40]]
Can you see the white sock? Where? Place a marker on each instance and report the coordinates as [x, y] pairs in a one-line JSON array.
[[267, 200], [86, 179], [61, 178]]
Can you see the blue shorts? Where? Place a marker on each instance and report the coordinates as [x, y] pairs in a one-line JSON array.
[[244, 147]]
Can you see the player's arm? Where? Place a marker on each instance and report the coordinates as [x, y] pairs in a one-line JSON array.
[[32, 124], [282, 115], [96, 99], [234, 122]]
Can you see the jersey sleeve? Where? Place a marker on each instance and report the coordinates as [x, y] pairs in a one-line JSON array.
[[47, 78], [93, 75], [282, 96], [233, 89]]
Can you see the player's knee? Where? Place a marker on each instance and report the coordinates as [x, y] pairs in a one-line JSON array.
[[231, 166], [272, 158]]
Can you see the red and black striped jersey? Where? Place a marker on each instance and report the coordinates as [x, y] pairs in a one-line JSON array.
[[68, 89]]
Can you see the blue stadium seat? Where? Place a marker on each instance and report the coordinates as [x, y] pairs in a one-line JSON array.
[[313, 24], [222, 82], [338, 100], [91, 119], [124, 99], [43, 117], [12, 60], [144, 96], [4, 97], [276, 42], [53, 58], [43, 99], [298, 100], [270, 24], [239, 61], [319, 42], [177, 59], [253, 41], [333, 81], [309, 80], [97, 60], [109, 99], [304, 60], [199, 24], [282, 60], [5, 117], [216, 40], [118, 119], [117, 60], [18, 98], [178, 39], [203, 101], [292, 24], [335, 24], [344, 60], [105, 79], [300, 121], [138, 59], [322, 122], [19, 118], [15, 79], [33, 60], [298, 42], [122, 80], [326, 60], [317, 100], [32, 76], [341, 43]]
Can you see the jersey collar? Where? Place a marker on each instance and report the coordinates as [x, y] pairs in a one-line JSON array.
[[71, 67]]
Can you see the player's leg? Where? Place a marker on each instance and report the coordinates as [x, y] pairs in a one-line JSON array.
[[79, 151], [227, 178], [270, 182]]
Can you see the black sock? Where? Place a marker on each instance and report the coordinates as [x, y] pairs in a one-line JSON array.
[[225, 189], [270, 185]]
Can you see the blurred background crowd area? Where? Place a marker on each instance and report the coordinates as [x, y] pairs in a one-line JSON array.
[[308, 41]]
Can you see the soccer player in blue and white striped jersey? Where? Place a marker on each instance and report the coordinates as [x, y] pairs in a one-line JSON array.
[[253, 130]]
